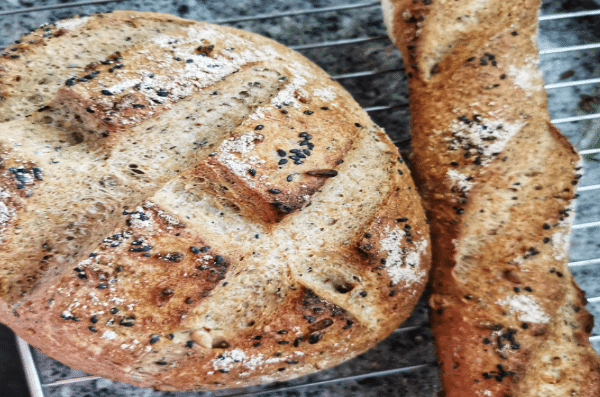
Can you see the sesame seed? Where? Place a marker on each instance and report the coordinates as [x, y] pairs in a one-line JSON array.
[[114, 310], [546, 240], [70, 82], [546, 226], [162, 93], [306, 152], [282, 332], [154, 339], [274, 191], [257, 344], [283, 161], [219, 259], [259, 127], [93, 319], [308, 112], [127, 323], [324, 108], [283, 342], [195, 250], [252, 172], [102, 286], [161, 363], [528, 289], [310, 319], [281, 152], [106, 92], [368, 235], [189, 343], [92, 328], [205, 249], [289, 178]]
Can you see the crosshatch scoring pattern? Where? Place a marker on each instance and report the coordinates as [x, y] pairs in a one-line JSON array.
[[365, 62]]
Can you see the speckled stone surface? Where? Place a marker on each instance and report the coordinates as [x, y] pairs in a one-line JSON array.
[[402, 348]]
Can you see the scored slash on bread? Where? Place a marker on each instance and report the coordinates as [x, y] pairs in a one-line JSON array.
[[196, 207], [498, 182]]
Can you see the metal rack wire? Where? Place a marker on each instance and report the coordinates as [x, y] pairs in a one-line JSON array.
[[38, 388]]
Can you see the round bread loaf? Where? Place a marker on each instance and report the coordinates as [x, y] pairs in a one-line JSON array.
[[190, 206]]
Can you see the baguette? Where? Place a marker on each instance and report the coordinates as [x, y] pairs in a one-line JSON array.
[[498, 182], [189, 206]]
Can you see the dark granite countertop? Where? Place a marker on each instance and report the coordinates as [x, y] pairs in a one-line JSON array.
[[401, 348]]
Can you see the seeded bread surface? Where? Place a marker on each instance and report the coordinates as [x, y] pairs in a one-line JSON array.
[[497, 180], [189, 206]]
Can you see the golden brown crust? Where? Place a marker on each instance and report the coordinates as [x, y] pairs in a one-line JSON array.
[[151, 232], [497, 181]]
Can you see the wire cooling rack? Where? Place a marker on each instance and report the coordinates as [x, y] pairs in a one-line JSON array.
[[367, 64]]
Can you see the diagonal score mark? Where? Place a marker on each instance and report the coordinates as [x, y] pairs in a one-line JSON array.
[[296, 248]]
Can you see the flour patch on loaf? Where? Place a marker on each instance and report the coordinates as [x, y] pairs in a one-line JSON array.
[[73, 23], [325, 94], [526, 308], [461, 181], [561, 240], [241, 145], [525, 77], [110, 335], [6, 215], [287, 96], [402, 264], [142, 219], [123, 85], [226, 360]]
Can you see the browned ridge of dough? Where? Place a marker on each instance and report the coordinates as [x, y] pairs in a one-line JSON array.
[[497, 180], [189, 206]]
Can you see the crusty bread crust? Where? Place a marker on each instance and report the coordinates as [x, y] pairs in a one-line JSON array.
[[189, 206], [498, 182]]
